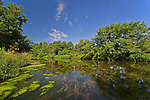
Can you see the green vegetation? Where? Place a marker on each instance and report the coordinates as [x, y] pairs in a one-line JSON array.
[[57, 50], [10, 63], [9, 86], [11, 33], [126, 41], [45, 88], [16, 86], [12, 40], [111, 78]]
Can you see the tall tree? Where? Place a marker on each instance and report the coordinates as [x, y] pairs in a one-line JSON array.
[[11, 21], [119, 41]]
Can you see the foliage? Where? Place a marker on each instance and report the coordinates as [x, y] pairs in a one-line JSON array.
[[57, 50], [84, 49], [11, 21], [10, 63], [126, 41], [123, 41]]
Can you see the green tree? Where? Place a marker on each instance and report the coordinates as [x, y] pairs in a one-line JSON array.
[[70, 46], [11, 21], [121, 41], [84, 49]]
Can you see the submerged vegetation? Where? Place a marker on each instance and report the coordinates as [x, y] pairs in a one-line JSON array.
[[13, 87], [68, 79]]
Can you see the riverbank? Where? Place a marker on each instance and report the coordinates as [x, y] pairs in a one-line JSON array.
[[32, 65], [12, 62]]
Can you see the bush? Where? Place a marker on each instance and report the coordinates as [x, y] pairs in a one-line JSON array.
[[140, 57], [63, 57], [10, 63]]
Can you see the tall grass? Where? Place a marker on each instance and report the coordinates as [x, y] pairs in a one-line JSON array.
[[11, 62]]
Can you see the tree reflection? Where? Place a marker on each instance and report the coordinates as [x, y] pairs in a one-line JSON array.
[[82, 80], [115, 79]]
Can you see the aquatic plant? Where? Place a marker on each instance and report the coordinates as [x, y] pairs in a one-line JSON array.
[[8, 87], [45, 88]]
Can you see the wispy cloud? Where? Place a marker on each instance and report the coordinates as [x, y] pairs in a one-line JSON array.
[[57, 35], [70, 23], [61, 12], [60, 9]]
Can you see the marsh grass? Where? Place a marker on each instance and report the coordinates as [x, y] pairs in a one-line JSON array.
[[11, 62]]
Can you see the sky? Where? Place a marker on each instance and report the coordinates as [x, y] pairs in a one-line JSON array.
[[73, 20]]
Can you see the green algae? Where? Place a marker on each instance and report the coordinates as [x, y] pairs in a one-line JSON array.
[[33, 87], [45, 88], [21, 91], [16, 86]]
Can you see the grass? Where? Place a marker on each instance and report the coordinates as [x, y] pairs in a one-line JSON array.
[[11, 62]]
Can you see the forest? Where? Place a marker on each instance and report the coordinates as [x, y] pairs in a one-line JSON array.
[[128, 41]]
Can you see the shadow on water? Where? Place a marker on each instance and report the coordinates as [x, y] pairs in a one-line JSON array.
[[80, 80]]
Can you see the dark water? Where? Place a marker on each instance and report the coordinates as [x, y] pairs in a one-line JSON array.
[[80, 80]]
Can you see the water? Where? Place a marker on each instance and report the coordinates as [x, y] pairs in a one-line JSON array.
[[80, 80]]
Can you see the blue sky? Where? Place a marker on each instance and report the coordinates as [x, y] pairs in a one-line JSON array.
[[72, 20]]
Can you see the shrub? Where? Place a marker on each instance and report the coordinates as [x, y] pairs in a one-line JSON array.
[[140, 57], [10, 63]]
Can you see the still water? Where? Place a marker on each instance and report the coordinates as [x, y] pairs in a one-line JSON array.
[[80, 80]]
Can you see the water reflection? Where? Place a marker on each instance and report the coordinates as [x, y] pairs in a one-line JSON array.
[[119, 80], [86, 80]]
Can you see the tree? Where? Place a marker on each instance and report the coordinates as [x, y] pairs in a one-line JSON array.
[[11, 21], [120, 41], [70, 45], [84, 49]]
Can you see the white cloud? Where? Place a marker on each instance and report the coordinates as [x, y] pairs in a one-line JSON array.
[[60, 9], [61, 12], [64, 35], [70, 23], [57, 35]]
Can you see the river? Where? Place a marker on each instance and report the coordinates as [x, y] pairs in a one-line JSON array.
[[80, 80]]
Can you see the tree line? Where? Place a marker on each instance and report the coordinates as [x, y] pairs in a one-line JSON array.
[[126, 41], [123, 41]]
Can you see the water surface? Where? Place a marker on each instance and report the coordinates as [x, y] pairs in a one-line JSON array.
[[80, 80]]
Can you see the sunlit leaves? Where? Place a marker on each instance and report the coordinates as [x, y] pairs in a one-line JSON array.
[[119, 41], [11, 20]]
